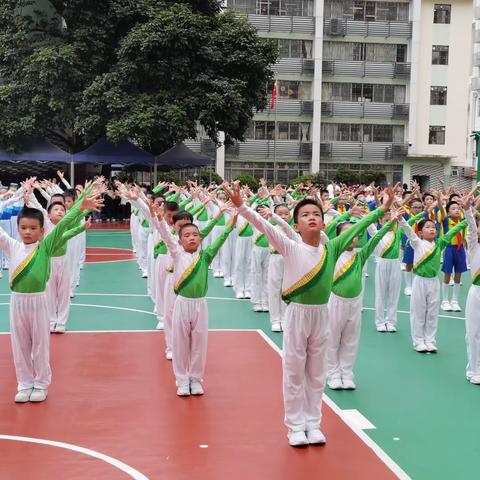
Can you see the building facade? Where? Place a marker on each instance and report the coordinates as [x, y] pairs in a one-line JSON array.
[[363, 85]]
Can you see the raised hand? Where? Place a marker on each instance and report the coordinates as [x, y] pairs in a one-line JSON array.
[[91, 202], [234, 193], [388, 197], [265, 212]]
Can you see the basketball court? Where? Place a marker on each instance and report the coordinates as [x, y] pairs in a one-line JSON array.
[[113, 413]]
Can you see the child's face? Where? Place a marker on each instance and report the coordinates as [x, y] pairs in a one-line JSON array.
[[454, 212], [416, 207], [429, 232], [325, 197], [158, 200], [69, 201], [428, 200], [169, 216], [190, 239], [309, 219], [30, 230], [283, 213], [222, 197], [57, 212], [360, 197]]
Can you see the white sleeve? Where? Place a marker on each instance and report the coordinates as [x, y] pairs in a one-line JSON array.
[[472, 238], [65, 182], [6, 242], [286, 228], [372, 230], [168, 238], [44, 194], [413, 238], [277, 239]]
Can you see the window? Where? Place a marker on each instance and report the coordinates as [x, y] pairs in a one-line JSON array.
[[440, 55], [284, 131], [294, 48], [438, 95], [382, 133], [366, 10], [436, 136], [441, 13], [343, 132], [401, 53], [283, 7]]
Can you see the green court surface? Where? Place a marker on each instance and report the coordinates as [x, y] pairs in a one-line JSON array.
[[426, 415]]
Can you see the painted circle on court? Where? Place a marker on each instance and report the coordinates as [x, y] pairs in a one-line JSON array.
[[102, 254]]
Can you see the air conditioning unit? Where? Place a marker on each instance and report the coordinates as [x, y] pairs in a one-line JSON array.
[[399, 151], [327, 109], [455, 172], [336, 28], [328, 67], [325, 149], [402, 70], [400, 110], [305, 148]]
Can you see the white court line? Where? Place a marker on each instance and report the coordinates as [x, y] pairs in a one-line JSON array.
[[381, 454], [135, 474]]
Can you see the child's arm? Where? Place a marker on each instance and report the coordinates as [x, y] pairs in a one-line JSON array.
[[445, 239], [267, 214], [370, 246], [413, 238], [64, 181], [472, 238], [331, 227], [168, 238], [6, 242], [215, 246]]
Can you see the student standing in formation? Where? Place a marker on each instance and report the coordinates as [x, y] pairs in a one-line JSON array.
[[190, 314], [308, 274], [29, 313], [425, 298]]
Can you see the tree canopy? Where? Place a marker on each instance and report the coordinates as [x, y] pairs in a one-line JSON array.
[[152, 71]]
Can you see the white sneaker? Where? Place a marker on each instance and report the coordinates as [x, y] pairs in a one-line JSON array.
[[160, 325], [38, 395], [446, 306], [196, 388], [183, 391], [248, 295], [403, 267], [408, 291], [297, 439], [1, 273], [391, 328], [72, 294], [316, 437], [168, 354], [23, 396], [227, 283], [257, 308], [60, 328], [422, 348], [475, 379], [217, 274], [240, 295], [144, 274], [452, 281], [276, 327], [335, 384], [431, 347], [265, 308], [455, 307], [349, 385], [382, 328], [52, 327]]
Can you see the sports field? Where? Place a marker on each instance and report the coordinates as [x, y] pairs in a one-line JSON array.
[[112, 410]]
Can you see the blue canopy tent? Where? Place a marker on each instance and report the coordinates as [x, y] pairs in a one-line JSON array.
[[181, 156], [105, 152]]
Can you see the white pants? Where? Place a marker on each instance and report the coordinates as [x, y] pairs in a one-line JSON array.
[[169, 298], [142, 247], [223, 260], [58, 290], [190, 339], [73, 255], [151, 284], [259, 292], [134, 226], [161, 274], [30, 337], [388, 283], [275, 278], [83, 247], [472, 313], [305, 344], [424, 309], [242, 277], [345, 323]]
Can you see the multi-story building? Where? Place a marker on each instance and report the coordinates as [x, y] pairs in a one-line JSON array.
[[361, 84]]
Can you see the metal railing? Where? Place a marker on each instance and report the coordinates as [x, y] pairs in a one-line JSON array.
[[365, 110], [271, 148], [294, 66], [284, 106], [363, 151], [270, 23], [363, 68], [338, 27]]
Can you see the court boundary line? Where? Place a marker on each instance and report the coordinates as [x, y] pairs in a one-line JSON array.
[[118, 464], [379, 452]]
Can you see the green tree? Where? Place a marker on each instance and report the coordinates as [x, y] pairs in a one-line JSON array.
[[248, 180], [147, 70], [347, 176], [210, 175]]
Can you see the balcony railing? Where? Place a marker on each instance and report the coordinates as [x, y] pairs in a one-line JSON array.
[[398, 111], [294, 66], [340, 27], [476, 59], [354, 68], [476, 83], [271, 149], [285, 106], [270, 23], [363, 151]]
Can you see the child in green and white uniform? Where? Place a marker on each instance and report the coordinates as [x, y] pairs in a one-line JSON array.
[[29, 313], [425, 298], [190, 314]]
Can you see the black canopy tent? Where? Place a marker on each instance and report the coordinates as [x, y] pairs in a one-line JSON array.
[[181, 156]]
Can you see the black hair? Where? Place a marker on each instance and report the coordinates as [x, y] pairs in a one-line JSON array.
[[428, 194], [449, 204], [55, 203], [323, 191], [70, 193], [357, 194], [278, 205], [423, 222], [183, 227], [57, 195], [453, 195], [170, 206], [411, 202], [303, 203], [340, 227], [182, 216], [158, 195], [33, 213]]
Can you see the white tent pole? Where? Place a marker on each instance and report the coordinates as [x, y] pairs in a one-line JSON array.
[[72, 172]]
